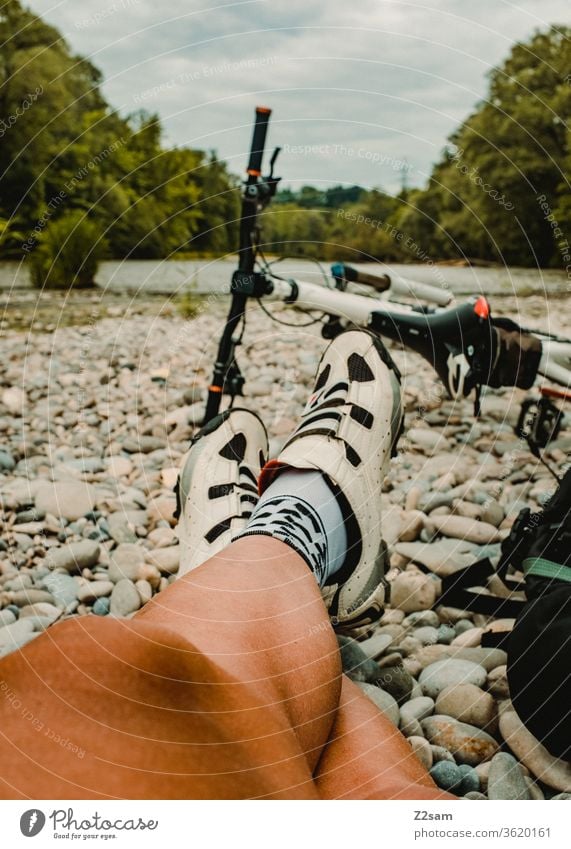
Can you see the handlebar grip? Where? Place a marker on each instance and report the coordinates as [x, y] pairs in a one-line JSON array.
[[258, 141], [376, 282]]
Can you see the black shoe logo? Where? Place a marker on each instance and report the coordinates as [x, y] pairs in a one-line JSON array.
[[32, 822]]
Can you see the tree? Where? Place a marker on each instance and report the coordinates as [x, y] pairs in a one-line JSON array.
[[484, 196]]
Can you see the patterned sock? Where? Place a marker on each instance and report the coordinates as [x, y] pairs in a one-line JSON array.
[[299, 509]]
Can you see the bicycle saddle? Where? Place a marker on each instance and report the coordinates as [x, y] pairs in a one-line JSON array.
[[459, 343]]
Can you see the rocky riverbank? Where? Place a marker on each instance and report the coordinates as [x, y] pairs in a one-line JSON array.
[[94, 421]]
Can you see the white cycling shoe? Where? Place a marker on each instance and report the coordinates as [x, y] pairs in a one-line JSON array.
[[217, 487], [349, 430]]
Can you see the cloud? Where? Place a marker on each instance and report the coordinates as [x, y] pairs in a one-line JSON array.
[[386, 79]]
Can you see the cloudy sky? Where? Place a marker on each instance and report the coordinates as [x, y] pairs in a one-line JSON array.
[[362, 92]]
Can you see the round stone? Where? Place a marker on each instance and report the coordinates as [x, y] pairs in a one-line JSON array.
[[68, 499], [467, 743], [74, 557], [470, 782], [506, 779], [102, 606], [447, 775], [468, 703], [422, 750], [444, 673], [445, 634], [383, 700], [124, 599]]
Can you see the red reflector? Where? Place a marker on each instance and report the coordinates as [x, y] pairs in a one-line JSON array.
[[482, 308]]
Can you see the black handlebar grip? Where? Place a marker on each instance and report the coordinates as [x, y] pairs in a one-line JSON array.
[[258, 141], [378, 283]]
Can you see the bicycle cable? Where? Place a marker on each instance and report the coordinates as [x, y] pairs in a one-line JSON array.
[[266, 266]]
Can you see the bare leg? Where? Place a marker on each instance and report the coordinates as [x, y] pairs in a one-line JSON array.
[[226, 685], [368, 758]]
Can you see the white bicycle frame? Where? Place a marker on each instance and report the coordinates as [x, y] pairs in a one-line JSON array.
[[555, 363]]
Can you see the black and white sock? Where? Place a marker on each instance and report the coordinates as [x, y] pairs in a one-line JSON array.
[[299, 509]]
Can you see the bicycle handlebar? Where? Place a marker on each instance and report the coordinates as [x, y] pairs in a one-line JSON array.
[[380, 283], [258, 141]]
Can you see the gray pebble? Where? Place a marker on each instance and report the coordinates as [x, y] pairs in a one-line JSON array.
[[447, 775], [427, 635], [421, 618], [470, 780], [383, 700], [356, 664], [445, 634], [74, 557], [6, 618], [437, 676], [506, 779], [102, 606], [124, 599]]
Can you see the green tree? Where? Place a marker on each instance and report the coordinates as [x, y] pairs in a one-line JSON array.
[[482, 199]]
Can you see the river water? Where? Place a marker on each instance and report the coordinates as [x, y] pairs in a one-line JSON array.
[[170, 277]]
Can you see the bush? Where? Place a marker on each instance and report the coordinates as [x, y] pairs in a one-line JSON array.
[[68, 253]]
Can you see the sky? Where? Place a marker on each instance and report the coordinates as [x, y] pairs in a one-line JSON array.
[[363, 92]]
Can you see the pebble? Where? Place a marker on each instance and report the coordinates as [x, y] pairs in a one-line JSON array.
[[66, 499], [488, 659], [121, 529], [43, 610], [418, 708], [506, 779], [467, 743], [552, 771], [470, 638], [356, 664], [497, 682], [431, 441], [383, 700], [6, 618], [465, 529], [12, 634], [422, 749], [446, 634], [74, 557], [444, 673], [470, 782], [421, 619], [375, 646], [446, 775], [396, 681], [126, 562], [63, 588], [426, 635], [468, 703], [101, 606], [411, 592], [124, 599], [439, 753], [7, 462], [443, 557], [166, 560], [89, 592]]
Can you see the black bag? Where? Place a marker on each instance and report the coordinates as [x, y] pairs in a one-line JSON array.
[[517, 356]]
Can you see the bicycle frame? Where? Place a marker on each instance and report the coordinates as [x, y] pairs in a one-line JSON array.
[[555, 361]]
